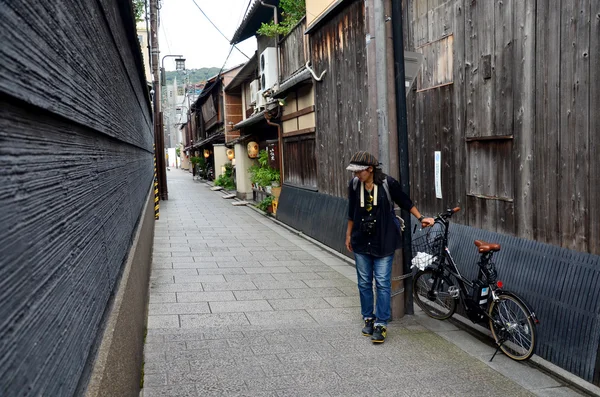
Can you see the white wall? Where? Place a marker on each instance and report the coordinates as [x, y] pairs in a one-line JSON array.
[[220, 153]]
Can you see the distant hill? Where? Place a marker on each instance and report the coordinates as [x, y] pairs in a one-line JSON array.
[[195, 75]]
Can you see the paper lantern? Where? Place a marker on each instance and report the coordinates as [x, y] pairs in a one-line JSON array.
[[252, 150], [206, 153], [230, 154]]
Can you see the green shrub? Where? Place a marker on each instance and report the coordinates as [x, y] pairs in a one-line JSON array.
[[262, 174], [264, 205], [226, 180], [292, 11]]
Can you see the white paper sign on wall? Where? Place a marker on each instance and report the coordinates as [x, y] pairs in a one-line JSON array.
[[438, 174]]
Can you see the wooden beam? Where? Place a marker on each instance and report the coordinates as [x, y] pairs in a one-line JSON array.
[[489, 138], [434, 87], [299, 113], [484, 197], [304, 131]]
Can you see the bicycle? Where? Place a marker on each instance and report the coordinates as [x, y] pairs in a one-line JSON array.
[[438, 287]]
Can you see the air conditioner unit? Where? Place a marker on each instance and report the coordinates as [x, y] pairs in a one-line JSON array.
[[268, 68], [261, 101], [254, 87]]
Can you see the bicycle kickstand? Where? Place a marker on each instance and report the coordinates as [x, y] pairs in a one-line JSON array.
[[498, 348]]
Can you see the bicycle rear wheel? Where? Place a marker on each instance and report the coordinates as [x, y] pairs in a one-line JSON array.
[[431, 291], [512, 327]]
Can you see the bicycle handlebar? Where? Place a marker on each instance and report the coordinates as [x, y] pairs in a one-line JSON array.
[[448, 213]]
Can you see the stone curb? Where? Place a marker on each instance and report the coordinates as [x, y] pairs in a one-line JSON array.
[[559, 373]]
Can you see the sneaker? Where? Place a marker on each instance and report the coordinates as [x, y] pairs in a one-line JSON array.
[[368, 329], [379, 334]]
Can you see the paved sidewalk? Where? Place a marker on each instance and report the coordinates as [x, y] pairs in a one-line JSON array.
[[240, 306]]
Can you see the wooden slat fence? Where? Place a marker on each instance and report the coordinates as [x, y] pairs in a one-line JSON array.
[[522, 117]]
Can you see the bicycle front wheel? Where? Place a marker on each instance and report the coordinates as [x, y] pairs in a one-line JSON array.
[[512, 327], [432, 293]]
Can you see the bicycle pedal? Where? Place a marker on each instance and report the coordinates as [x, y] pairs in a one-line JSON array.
[[454, 291]]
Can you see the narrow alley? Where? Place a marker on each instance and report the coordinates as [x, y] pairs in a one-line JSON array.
[[241, 306]]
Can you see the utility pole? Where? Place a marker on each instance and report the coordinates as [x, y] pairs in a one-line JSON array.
[[158, 123]]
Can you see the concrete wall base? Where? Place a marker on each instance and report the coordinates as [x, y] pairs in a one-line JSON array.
[[117, 368]]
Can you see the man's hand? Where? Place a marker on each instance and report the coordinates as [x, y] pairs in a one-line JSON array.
[[426, 222], [348, 243]]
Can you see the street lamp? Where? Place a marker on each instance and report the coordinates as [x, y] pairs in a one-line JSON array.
[[179, 65]]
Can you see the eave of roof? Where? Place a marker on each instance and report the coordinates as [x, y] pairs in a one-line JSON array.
[[300, 76], [213, 138], [250, 120], [247, 72], [333, 10], [257, 14]]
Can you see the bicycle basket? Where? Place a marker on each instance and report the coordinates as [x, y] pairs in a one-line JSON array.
[[427, 247]]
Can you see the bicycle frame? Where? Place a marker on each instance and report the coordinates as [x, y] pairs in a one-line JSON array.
[[479, 297], [448, 265]]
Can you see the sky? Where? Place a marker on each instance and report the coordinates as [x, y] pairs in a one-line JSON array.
[[185, 31]]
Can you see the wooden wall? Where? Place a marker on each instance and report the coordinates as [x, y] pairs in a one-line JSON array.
[[233, 114], [342, 117], [76, 169], [293, 48], [509, 95], [299, 134], [263, 42]]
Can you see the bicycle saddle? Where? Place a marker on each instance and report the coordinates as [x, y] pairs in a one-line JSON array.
[[486, 247]]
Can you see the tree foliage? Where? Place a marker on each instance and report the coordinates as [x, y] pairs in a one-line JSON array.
[[195, 75], [139, 9], [292, 11]]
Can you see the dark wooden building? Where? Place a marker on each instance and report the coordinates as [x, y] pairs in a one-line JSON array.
[[211, 118], [509, 95], [298, 119]]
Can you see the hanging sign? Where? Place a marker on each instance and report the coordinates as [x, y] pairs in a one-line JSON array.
[[438, 174]]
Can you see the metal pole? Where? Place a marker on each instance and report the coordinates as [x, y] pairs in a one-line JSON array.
[[162, 62], [381, 78], [278, 125], [159, 138], [148, 38], [402, 144]]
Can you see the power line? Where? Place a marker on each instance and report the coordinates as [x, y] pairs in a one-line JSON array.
[[166, 37], [242, 15], [246, 12], [219, 30], [206, 90]]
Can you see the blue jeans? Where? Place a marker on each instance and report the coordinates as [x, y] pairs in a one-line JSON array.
[[367, 267]]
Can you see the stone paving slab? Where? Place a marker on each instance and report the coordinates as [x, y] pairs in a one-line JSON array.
[[239, 306]]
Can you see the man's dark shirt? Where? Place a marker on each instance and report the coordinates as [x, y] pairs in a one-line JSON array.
[[385, 238]]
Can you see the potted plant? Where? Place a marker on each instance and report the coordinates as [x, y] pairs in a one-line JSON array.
[[266, 205], [275, 184], [262, 175]]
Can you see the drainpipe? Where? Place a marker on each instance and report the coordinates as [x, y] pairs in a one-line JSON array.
[[267, 116], [381, 76], [402, 145], [279, 142], [149, 46], [276, 21]]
